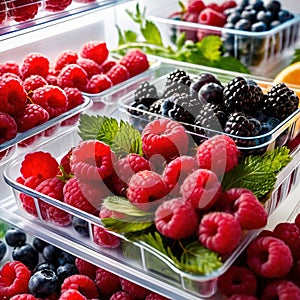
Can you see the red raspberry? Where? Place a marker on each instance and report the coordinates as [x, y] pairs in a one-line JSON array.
[[95, 50], [166, 138], [107, 65], [22, 10], [202, 188], [107, 282], [53, 187], [14, 278], [52, 98], [290, 234], [74, 96], [65, 57], [3, 13], [34, 64], [214, 6], [218, 154], [118, 73], [85, 268], [171, 219], [9, 66], [269, 257], [73, 75], [227, 5], [237, 280], [145, 188], [82, 283], [13, 96], [85, 1], [134, 290], [135, 61], [242, 297], [155, 296], [120, 295], [211, 17], [98, 83], [41, 165], [72, 294], [83, 196], [124, 168], [33, 82], [281, 289], [33, 116], [92, 160], [195, 6], [220, 232], [8, 127], [297, 220], [65, 162], [104, 238], [23, 297], [176, 171], [56, 5], [52, 79], [89, 65], [245, 207]]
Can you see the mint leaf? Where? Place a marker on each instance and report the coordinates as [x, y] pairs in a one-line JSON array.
[[89, 126], [210, 47], [121, 226], [151, 34]]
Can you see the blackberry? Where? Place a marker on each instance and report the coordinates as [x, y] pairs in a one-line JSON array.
[[280, 102], [155, 109], [178, 75], [178, 81], [145, 94]]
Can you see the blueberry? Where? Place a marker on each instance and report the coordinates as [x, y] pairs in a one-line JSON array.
[[27, 255], [264, 16], [249, 15], [39, 244], [233, 17], [65, 257], [45, 265], [258, 5], [15, 237], [43, 283], [80, 225], [274, 24], [284, 16], [65, 271], [269, 124], [201, 80], [259, 27], [273, 6], [51, 253], [211, 93], [243, 24], [3, 249]]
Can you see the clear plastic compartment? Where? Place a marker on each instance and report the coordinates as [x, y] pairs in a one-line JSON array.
[[262, 52], [142, 256]]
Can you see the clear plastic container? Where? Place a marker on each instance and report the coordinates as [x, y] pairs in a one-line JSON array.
[[262, 52], [142, 255]]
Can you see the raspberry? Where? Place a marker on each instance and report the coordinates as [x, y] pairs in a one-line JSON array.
[[290, 234], [297, 221], [89, 65], [41, 165], [85, 268], [73, 75], [104, 238], [22, 10], [13, 96], [245, 207], [74, 97], [9, 66], [33, 116], [52, 98], [52, 79], [118, 73], [202, 188], [65, 57], [14, 278], [195, 6], [237, 280], [92, 160], [120, 295], [34, 64], [53, 187], [83, 196], [281, 289], [220, 232], [155, 296], [85, 285], [171, 219], [65, 162], [145, 188], [242, 297], [269, 257], [95, 50], [176, 171], [107, 282], [211, 17], [3, 13], [33, 82], [218, 153], [107, 65], [23, 297], [56, 5], [135, 62], [98, 83], [124, 168], [134, 290], [227, 5], [8, 127], [166, 138], [71, 294]]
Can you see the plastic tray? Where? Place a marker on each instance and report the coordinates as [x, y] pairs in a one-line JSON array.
[[261, 52], [144, 256]]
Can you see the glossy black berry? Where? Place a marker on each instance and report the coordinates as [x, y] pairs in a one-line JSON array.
[[264, 16], [81, 226], [249, 15], [211, 93], [43, 283], [65, 271], [243, 24], [259, 27], [38, 244], [15, 237], [50, 254], [27, 255], [45, 265], [284, 16], [234, 17], [65, 257], [202, 79], [3, 249]]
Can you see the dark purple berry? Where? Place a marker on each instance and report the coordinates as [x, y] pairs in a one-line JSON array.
[[211, 93]]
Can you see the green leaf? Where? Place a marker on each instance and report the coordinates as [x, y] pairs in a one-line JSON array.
[[210, 46], [3, 228], [200, 260], [296, 56], [120, 226], [151, 33], [258, 173]]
